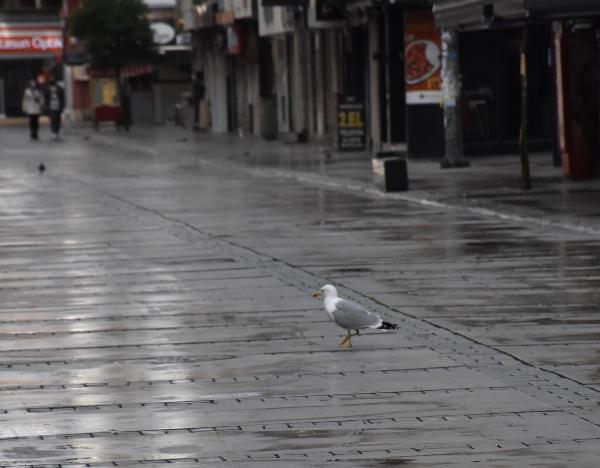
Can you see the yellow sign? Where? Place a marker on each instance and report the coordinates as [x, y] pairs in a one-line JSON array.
[[109, 92], [350, 119], [351, 124]]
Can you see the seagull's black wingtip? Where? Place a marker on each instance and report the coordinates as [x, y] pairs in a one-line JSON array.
[[388, 326]]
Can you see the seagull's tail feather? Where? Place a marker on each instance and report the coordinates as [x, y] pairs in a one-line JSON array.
[[388, 326]]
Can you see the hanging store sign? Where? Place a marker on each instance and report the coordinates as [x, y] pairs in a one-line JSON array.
[[351, 124], [162, 33], [422, 58]]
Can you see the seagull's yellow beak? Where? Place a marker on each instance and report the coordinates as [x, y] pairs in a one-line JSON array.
[[317, 294]]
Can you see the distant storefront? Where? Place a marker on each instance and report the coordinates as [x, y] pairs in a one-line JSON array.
[[27, 51], [563, 53], [490, 37]]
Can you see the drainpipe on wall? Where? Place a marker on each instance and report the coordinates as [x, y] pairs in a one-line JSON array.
[[372, 97]]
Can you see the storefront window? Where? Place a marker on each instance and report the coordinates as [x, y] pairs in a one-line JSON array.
[[491, 101]]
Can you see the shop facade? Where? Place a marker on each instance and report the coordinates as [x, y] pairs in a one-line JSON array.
[[31, 50], [561, 43]]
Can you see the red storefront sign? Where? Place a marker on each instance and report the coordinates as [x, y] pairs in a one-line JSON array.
[[31, 40], [31, 45]]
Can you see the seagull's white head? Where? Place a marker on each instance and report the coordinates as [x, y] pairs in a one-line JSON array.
[[328, 291]]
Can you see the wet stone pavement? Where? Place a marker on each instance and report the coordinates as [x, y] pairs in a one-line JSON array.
[[156, 308]]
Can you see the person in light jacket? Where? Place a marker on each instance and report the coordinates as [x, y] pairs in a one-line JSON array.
[[33, 103]]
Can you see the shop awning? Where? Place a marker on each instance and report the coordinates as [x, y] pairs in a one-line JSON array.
[[562, 8], [472, 13], [129, 71]]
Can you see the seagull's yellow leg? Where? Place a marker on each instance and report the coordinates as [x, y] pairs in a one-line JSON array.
[[345, 340], [348, 338]]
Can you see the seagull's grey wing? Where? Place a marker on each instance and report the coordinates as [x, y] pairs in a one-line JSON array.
[[353, 316]]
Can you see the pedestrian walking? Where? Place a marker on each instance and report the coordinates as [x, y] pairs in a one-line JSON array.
[[55, 103], [32, 105]]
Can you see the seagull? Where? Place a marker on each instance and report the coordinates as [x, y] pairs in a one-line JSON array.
[[350, 315]]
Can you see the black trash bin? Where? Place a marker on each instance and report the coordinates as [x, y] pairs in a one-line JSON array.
[[390, 171]]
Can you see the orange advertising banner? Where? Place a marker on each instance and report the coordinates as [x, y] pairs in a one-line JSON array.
[[422, 58]]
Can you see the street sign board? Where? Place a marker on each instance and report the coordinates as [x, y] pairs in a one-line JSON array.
[[351, 124]]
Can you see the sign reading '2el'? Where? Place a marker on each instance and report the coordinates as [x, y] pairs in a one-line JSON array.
[[351, 124]]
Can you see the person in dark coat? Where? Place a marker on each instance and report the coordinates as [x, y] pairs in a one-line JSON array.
[[198, 92], [55, 103]]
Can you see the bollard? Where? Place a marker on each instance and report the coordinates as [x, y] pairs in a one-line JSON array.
[[390, 171]]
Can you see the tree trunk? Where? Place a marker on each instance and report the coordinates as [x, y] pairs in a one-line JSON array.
[[451, 86], [525, 176]]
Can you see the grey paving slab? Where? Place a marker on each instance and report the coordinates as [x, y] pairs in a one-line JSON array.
[[253, 411], [156, 309], [156, 322], [231, 364], [274, 386], [313, 442]]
